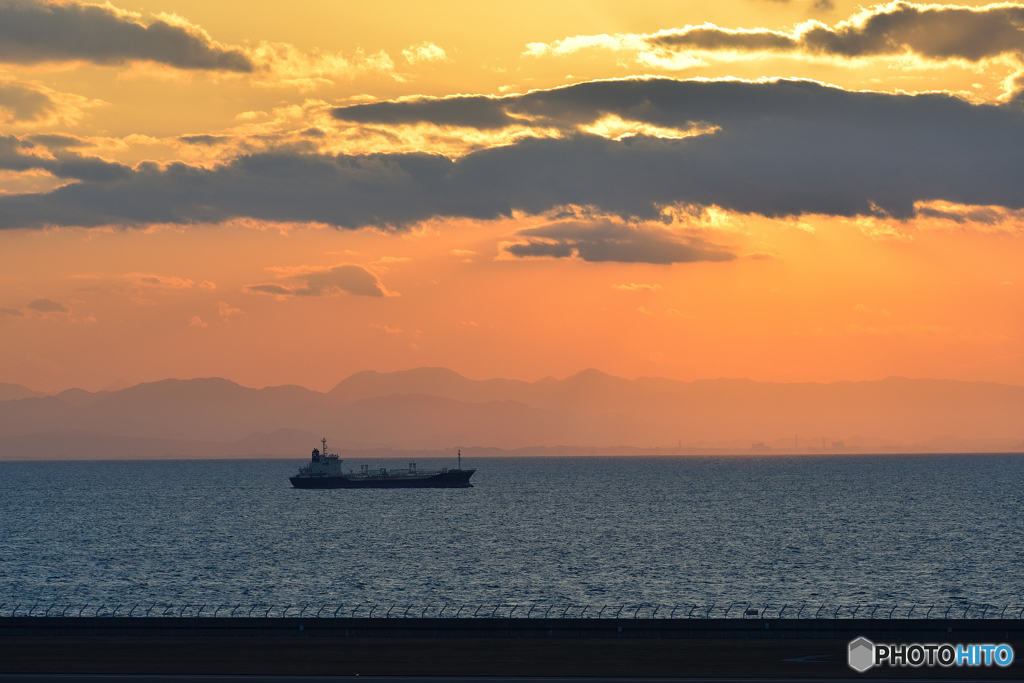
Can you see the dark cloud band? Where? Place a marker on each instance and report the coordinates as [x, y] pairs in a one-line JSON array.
[[779, 149], [33, 32]]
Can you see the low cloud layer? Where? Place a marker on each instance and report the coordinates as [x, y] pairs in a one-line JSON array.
[[609, 241], [777, 149], [347, 277], [32, 32]]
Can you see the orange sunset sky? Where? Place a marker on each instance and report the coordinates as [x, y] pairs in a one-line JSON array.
[[287, 193]]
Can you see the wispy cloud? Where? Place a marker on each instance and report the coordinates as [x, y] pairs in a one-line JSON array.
[[635, 287], [44, 305], [424, 52], [615, 241], [315, 281]]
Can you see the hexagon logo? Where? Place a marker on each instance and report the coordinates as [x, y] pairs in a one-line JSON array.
[[862, 655]]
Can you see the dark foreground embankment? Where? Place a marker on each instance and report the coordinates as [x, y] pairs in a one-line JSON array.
[[786, 648]]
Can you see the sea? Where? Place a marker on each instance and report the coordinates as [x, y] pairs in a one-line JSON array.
[[837, 530]]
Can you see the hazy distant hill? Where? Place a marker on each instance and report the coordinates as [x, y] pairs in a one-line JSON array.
[[433, 408], [12, 392]]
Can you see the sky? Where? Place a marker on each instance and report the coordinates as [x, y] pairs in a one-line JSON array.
[[288, 193]]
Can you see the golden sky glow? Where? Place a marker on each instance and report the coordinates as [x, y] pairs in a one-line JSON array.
[[291, 192]]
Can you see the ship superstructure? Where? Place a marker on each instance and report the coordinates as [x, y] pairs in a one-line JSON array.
[[324, 472]]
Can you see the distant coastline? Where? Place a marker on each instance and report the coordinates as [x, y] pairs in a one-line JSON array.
[[428, 412]]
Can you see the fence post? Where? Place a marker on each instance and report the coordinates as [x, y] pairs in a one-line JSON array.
[[947, 611], [911, 611], [928, 613], [337, 610], [532, 607], [442, 610], [783, 610], [967, 610], [708, 615], [819, 611], [585, 608], [690, 613], [514, 608]]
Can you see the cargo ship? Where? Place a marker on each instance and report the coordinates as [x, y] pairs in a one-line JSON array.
[[324, 472]]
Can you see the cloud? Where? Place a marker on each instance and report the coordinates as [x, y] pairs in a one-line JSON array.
[[634, 287], [931, 32], [196, 321], [11, 313], [150, 281], [613, 241], [22, 155], [385, 328], [33, 32], [476, 111], [307, 281], [44, 305], [779, 148], [226, 310], [21, 102], [424, 52], [32, 104], [284, 64]]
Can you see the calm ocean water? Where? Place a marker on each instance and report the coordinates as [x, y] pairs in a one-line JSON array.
[[850, 529]]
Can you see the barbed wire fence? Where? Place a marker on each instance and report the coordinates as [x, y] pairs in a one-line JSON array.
[[318, 610]]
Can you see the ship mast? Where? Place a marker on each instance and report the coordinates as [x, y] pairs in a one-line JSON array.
[[323, 445]]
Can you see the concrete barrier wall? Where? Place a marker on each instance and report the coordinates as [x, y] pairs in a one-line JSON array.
[[883, 630]]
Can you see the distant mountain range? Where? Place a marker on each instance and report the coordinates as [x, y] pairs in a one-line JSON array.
[[431, 409]]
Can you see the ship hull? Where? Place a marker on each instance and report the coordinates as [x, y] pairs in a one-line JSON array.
[[458, 479]]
